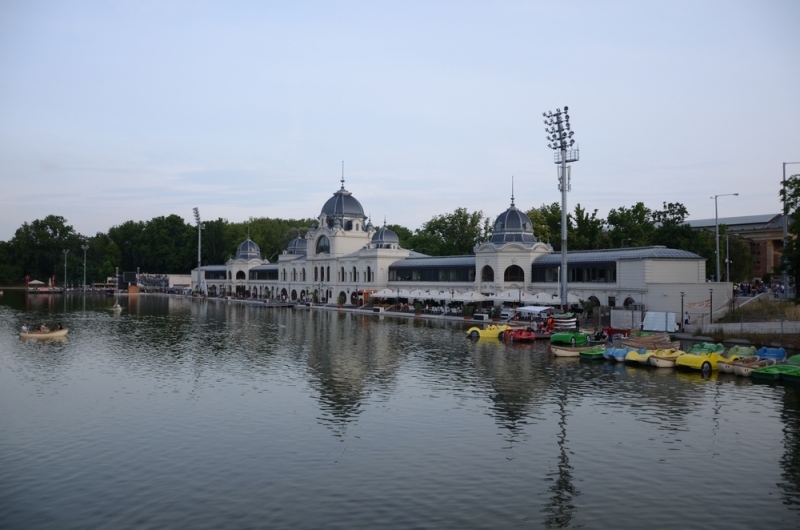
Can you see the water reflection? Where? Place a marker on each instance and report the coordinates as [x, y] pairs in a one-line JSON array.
[[482, 432]]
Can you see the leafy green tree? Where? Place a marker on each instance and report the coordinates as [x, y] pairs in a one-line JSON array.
[[403, 234], [633, 226], [589, 232], [790, 194], [454, 234], [546, 221]]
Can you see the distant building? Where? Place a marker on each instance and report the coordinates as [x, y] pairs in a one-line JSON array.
[[344, 255], [763, 232]]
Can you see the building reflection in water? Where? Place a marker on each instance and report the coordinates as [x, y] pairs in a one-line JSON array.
[[790, 461]]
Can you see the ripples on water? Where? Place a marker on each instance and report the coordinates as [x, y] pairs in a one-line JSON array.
[[208, 415]]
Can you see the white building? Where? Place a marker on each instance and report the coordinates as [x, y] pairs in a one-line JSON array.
[[342, 255]]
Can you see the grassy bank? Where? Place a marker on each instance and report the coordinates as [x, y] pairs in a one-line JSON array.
[[763, 311]]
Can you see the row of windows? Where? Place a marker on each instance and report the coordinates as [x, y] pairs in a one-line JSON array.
[[432, 274], [602, 274]]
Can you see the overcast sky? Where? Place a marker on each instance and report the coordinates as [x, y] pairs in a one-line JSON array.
[[111, 111]]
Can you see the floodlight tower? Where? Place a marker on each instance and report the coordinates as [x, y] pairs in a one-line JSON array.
[[560, 137], [200, 227]]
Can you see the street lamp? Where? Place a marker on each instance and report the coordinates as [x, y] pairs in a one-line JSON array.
[[200, 227], [85, 248], [683, 320], [560, 137], [711, 308], [785, 228], [66, 251], [716, 225]]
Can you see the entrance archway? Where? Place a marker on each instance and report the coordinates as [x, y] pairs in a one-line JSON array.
[[294, 294]]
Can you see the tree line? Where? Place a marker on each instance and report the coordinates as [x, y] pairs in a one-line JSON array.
[[168, 245]]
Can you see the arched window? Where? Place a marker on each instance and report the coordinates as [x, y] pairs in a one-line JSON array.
[[328, 272], [294, 276], [323, 245], [355, 275], [304, 274], [514, 273], [284, 274], [294, 294], [487, 274], [341, 275], [369, 273], [240, 275], [322, 274], [594, 300], [629, 302], [316, 274]]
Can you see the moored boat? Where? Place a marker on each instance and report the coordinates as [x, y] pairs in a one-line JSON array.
[[746, 354], [641, 356], [491, 331], [519, 335], [665, 358], [745, 367], [595, 354], [567, 351], [44, 334], [775, 373]]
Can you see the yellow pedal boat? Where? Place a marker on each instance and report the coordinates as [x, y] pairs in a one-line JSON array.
[[705, 362], [492, 331]]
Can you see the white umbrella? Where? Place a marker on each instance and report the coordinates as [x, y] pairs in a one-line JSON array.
[[419, 294], [35, 282], [385, 293], [470, 296], [441, 295]]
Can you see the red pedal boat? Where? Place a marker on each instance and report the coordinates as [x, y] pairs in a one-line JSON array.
[[519, 335]]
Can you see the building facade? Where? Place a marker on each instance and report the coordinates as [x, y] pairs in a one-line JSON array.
[[343, 256]]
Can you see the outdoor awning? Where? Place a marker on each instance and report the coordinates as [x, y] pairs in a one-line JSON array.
[[533, 309]]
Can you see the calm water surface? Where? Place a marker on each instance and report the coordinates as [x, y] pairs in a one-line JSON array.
[[186, 414]]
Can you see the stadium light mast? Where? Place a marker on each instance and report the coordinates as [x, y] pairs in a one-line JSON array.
[[716, 224], [200, 227], [85, 248], [560, 137]]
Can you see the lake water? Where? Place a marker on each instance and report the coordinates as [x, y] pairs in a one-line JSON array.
[[188, 414]]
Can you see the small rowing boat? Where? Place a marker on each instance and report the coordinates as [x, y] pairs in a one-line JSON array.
[[44, 334]]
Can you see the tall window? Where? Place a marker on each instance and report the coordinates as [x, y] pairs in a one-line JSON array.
[[316, 274], [369, 273], [355, 275], [487, 274], [514, 273], [323, 245]]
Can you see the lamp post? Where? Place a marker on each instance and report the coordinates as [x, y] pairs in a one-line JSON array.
[[199, 231], [683, 320], [785, 229], [66, 251], [560, 137], [716, 225], [711, 306], [85, 248]]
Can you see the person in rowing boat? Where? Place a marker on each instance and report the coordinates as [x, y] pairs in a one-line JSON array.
[[25, 328], [44, 329], [59, 326]]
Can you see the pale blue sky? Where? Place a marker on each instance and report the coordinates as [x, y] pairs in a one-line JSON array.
[[112, 111]]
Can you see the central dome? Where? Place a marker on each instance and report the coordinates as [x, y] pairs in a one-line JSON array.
[[343, 204], [248, 250], [513, 226]]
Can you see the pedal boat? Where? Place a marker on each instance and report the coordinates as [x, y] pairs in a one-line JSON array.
[[595, 354], [745, 367], [746, 353], [640, 356], [618, 354], [492, 331], [665, 358], [705, 362], [518, 335]]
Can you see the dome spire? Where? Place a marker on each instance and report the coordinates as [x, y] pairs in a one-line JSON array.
[[512, 190], [342, 174]]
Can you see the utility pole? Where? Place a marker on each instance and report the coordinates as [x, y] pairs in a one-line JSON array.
[[200, 227], [66, 251], [560, 137], [85, 248]]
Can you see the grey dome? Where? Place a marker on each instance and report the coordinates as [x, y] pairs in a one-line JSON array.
[[513, 225], [248, 250], [384, 238], [297, 245], [343, 204]]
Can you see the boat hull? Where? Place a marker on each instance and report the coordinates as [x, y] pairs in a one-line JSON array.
[[48, 335], [566, 351]]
